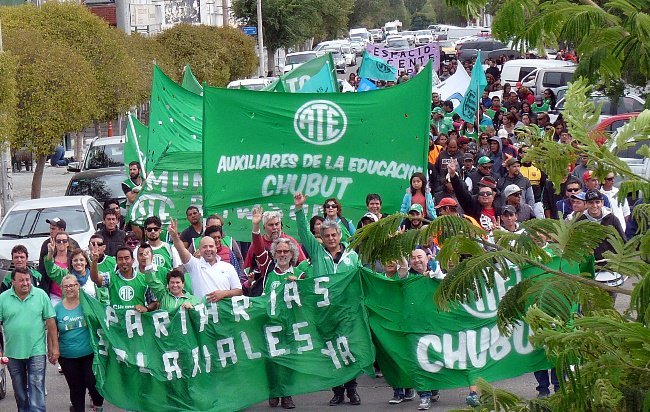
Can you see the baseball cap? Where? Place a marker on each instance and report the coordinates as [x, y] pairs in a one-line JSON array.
[[447, 201], [438, 110], [587, 175], [464, 140], [483, 160], [579, 196], [494, 139], [502, 133], [371, 216], [512, 161], [488, 181], [468, 156], [593, 195], [509, 209], [511, 190], [416, 207], [57, 222]]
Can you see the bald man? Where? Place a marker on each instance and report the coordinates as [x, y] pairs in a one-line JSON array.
[[211, 277]]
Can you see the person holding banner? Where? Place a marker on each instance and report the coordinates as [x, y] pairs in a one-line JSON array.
[[328, 258]]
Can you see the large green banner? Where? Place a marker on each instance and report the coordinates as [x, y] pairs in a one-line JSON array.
[[420, 346], [315, 76], [260, 148], [305, 336]]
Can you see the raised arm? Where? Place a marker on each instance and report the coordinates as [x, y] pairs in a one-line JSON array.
[[306, 237], [178, 243], [94, 272]]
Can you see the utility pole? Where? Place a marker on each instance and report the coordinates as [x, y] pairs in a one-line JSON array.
[[260, 38], [6, 177]]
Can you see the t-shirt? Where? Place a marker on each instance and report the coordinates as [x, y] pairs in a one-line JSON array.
[[207, 278], [164, 256], [189, 234], [274, 279], [106, 266], [126, 293], [22, 320], [74, 336]]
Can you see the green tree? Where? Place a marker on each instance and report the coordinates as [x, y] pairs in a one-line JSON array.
[[55, 94], [333, 19], [144, 51], [215, 54], [8, 97], [602, 354]]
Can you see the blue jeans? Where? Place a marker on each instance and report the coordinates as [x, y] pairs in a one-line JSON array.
[[427, 394], [58, 158], [543, 383], [28, 381]]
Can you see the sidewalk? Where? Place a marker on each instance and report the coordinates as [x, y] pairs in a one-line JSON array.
[[55, 181]]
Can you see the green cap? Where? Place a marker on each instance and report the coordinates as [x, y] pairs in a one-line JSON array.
[[438, 110], [484, 160], [416, 207]]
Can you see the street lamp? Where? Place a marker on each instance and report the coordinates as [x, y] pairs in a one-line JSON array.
[[260, 38]]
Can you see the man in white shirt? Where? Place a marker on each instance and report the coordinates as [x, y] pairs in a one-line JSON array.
[[620, 210], [210, 276]]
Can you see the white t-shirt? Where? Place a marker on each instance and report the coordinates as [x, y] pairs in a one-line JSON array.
[[620, 210], [207, 278]]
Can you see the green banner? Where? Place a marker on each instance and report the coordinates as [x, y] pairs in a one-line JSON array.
[[419, 346], [190, 82], [304, 337], [321, 70], [260, 148]]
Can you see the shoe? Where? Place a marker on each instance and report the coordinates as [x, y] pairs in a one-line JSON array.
[[287, 402], [337, 399], [425, 403], [396, 399], [60, 370], [97, 408], [472, 399], [435, 396], [354, 397], [273, 402], [409, 394], [378, 373]]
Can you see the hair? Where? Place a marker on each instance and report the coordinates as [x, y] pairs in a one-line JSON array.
[[175, 273], [512, 118], [69, 277], [271, 214], [329, 224], [292, 248], [97, 236], [372, 196], [448, 103], [213, 229], [423, 178], [339, 207], [130, 236], [121, 248], [553, 98], [108, 212], [135, 163], [143, 245], [67, 237], [111, 202], [19, 249], [216, 217], [572, 181], [192, 208], [19, 270], [75, 252], [312, 223], [152, 219]]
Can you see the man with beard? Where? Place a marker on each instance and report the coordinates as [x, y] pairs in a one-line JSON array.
[[164, 256], [132, 186], [193, 233], [483, 169]]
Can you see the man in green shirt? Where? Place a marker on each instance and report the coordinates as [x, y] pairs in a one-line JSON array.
[[105, 263], [19, 259], [443, 125], [22, 309]]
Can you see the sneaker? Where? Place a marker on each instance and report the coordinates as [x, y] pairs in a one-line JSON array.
[[396, 399], [435, 396], [472, 399], [409, 394], [425, 403], [378, 373]]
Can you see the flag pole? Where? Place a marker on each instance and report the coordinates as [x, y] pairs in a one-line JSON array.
[[137, 146]]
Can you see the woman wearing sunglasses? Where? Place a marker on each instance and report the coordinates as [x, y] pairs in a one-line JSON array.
[[77, 265], [333, 210]]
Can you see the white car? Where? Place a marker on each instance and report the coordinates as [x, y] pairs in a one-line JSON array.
[[397, 43], [295, 60], [410, 36], [358, 45], [103, 152], [423, 37], [625, 104], [344, 50], [251, 84], [25, 224]]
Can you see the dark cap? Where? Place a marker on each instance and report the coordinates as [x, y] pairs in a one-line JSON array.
[[593, 195], [57, 222], [468, 156], [512, 161], [509, 209]]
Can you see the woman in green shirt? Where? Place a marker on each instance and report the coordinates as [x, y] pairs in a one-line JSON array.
[[173, 295], [74, 344]]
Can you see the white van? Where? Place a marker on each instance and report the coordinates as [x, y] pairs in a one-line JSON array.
[[514, 71], [552, 78], [363, 33]]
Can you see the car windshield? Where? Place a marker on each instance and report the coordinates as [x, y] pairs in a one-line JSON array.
[[100, 157], [423, 33], [300, 58], [100, 187], [32, 223], [397, 43]]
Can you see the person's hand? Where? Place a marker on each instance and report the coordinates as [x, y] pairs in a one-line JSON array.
[[187, 305], [256, 216], [136, 189], [53, 355], [292, 278], [140, 308], [215, 296], [452, 167], [173, 229], [148, 257], [299, 200], [51, 249]]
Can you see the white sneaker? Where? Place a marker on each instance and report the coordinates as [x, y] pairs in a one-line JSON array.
[[425, 403]]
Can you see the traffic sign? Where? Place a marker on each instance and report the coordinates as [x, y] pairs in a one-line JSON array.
[[249, 30]]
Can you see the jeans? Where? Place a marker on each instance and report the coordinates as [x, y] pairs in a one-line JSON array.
[[28, 381], [78, 373], [543, 382], [58, 158], [427, 394]]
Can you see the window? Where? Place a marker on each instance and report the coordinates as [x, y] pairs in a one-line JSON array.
[[525, 71], [32, 223], [101, 188], [100, 157]]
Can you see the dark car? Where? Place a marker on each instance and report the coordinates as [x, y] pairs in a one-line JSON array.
[[102, 184], [469, 49]]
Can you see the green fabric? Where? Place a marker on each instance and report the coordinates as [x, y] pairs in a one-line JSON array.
[[545, 107], [376, 68], [126, 293], [260, 148], [167, 301], [330, 318], [469, 105], [24, 332], [74, 337], [107, 265], [137, 135], [190, 82], [296, 79], [275, 281], [443, 125]]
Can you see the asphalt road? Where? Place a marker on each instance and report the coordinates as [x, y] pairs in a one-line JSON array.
[[374, 392]]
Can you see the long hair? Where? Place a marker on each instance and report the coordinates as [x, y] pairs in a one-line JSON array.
[[75, 252], [339, 207], [423, 178]]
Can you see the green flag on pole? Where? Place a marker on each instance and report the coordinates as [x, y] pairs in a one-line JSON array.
[[135, 144], [469, 105], [322, 68], [190, 82], [376, 68], [260, 148]]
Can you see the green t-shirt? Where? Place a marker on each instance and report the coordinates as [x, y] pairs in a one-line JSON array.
[[545, 107], [22, 320], [126, 293], [444, 125], [106, 266], [471, 135], [74, 336], [166, 300], [36, 275], [162, 256], [275, 280]]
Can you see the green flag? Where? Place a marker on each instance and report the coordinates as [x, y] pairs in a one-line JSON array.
[[376, 68], [303, 337], [322, 68], [190, 82], [469, 105], [135, 144], [260, 148]]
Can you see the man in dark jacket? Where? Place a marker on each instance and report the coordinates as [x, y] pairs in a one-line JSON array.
[[113, 236], [514, 177], [484, 169], [596, 212], [481, 207]]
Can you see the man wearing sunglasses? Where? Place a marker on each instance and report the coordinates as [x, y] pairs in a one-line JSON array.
[[571, 187], [164, 256], [105, 264]]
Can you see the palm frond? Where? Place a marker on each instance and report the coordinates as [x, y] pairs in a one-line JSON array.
[[626, 257], [495, 399], [576, 239]]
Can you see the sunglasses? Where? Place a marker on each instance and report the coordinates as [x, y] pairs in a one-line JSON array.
[[485, 194], [153, 229], [282, 252], [331, 206], [609, 178], [573, 190], [61, 241], [134, 243], [97, 243], [516, 194]]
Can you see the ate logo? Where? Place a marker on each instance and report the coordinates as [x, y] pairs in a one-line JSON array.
[[126, 293], [320, 122], [383, 67], [159, 260]]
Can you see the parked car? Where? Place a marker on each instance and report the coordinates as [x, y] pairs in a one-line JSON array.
[[468, 49], [514, 71], [640, 165], [251, 84], [358, 45], [295, 60], [102, 184], [625, 104], [103, 152], [410, 36], [377, 35], [339, 61], [447, 49], [606, 127], [25, 224], [344, 50], [423, 37]]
